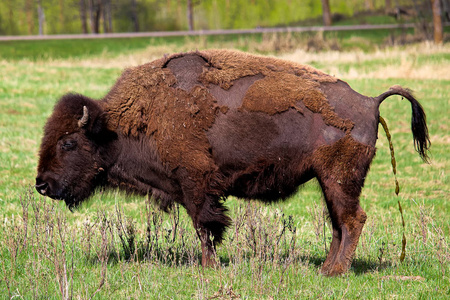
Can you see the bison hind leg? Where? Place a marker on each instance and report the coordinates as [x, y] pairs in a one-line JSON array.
[[344, 242], [347, 218], [341, 169]]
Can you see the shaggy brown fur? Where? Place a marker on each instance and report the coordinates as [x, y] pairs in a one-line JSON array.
[[146, 101], [194, 128]]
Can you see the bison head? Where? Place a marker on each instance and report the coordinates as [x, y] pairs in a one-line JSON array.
[[72, 159]]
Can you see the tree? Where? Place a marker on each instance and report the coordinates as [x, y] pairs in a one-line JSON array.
[[107, 17], [387, 6], [134, 16], [29, 13], [95, 9], [326, 13], [41, 17], [190, 15], [437, 21], [83, 14]]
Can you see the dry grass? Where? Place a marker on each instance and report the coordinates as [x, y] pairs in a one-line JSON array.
[[401, 62], [404, 62]]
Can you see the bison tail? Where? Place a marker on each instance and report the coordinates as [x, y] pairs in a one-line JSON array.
[[418, 120]]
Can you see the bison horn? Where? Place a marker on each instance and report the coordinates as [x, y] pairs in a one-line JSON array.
[[84, 119]]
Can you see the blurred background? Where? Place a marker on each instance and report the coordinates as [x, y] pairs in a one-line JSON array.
[[46, 17]]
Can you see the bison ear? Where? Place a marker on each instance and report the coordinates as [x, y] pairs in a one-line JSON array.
[[98, 126], [93, 121], [88, 113]]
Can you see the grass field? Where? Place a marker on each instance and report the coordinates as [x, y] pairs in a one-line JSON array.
[[116, 247]]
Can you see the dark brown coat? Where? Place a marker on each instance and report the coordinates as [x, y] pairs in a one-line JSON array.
[[194, 128]]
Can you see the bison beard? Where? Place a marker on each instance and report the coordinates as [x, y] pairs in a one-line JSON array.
[[194, 128]]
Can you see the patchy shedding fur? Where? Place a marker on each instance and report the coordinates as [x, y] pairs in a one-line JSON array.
[[344, 161], [283, 86], [226, 66], [148, 99]]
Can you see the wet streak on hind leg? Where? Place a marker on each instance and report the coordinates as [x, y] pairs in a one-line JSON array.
[[347, 219], [341, 169]]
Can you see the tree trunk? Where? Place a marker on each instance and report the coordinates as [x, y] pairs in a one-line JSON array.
[[41, 17], [29, 13], [437, 21], [98, 12], [11, 19], [61, 14], [110, 17], [387, 6], [326, 13], [106, 14], [83, 16], [190, 15], [91, 15], [134, 16], [95, 9]]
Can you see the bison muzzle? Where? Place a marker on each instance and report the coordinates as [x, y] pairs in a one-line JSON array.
[[194, 128]]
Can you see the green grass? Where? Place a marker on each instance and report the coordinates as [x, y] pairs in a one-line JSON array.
[[81, 48], [56, 238]]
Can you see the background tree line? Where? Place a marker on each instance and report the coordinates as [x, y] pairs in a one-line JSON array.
[[30, 17]]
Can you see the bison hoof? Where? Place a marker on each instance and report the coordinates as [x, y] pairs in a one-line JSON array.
[[209, 262], [333, 270]]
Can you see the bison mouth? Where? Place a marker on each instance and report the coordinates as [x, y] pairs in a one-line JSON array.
[[47, 188], [50, 190]]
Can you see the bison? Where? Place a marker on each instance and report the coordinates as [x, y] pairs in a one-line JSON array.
[[194, 128]]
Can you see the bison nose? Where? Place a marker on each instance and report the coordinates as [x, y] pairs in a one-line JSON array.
[[41, 186]]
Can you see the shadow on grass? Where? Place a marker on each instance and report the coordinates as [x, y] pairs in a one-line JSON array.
[[162, 256], [359, 266], [181, 258]]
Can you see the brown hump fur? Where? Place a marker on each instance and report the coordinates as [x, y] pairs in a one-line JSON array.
[[143, 100]]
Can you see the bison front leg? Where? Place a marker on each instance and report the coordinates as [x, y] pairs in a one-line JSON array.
[[210, 222], [208, 216], [208, 247], [347, 218]]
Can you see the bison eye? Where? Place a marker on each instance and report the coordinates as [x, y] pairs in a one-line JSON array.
[[69, 145]]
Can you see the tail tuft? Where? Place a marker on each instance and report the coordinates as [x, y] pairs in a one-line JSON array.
[[419, 126]]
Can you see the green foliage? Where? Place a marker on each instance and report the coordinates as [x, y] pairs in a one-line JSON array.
[[20, 17]]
